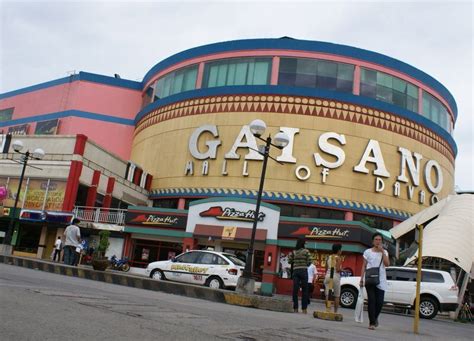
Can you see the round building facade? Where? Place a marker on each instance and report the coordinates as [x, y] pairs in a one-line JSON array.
[[370, 136]]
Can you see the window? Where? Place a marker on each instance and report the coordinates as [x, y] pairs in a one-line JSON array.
[[405, 275], [309, 212], [390, 274], [189, 257], [436, 112], [148, 95], [374, 221], [234, 259], [166, 203], [237, 71], [431, 277], [390, 89], [176, 82], [210, 258], [314, 73], [6, 114]]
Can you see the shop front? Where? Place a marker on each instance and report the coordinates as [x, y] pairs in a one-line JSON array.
[[225, 225], [153, 234], [320, 235], [36, 231]]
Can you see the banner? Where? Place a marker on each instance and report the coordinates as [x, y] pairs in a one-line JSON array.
[[49, 127], [156, 219], [36, 193], [21, 129]]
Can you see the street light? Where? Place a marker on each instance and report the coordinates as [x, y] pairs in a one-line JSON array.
[[246, 283], [37, 154]]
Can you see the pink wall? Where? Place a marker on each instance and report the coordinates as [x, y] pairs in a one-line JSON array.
[[107, 100], [115, 138], [79, 95], [43, 101]]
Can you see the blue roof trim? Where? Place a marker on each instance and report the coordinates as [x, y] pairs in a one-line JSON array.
[[69, 113], [81, 76], [280, 198], [307, 45], [294, 91]]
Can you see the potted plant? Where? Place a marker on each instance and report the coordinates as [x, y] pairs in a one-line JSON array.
[[99, 261]]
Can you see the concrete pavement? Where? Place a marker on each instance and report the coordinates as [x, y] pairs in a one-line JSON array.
[[38, 305]]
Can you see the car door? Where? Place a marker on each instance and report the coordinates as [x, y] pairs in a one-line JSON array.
[[404, 286], [391, 284], [183, 265], [207, 266]]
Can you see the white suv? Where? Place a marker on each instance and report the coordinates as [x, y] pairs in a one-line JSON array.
[[438, 291], [216, 270]]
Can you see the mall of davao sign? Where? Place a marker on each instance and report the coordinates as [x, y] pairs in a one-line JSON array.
[[330, 156]]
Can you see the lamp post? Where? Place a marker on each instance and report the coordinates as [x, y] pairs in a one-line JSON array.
[[246, 283], [37, 154]]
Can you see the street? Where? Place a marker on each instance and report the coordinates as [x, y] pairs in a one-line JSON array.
[[37, 305]]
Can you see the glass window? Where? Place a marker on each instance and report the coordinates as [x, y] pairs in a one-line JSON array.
[[237, 71], [390, 274], [234, 259], [176, 82], [431, 277], [405, 275], [189, 257], [315, 73], [390, 89], [210, 258], [6, 114], [435, 111]]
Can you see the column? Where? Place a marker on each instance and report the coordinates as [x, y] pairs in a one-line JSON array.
[[270, 267], [92, 192], [75, 170], [348, 216], [356, 84], [108, 193], [189, 243], [275, 70]]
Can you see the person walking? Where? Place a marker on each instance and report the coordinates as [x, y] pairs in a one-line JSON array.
[[300, 259], [57, 249], [312, 279], [375, 258], [333, 266], [73, 240]]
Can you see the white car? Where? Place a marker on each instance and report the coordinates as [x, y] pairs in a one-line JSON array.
[[438, 292], [216, 270]]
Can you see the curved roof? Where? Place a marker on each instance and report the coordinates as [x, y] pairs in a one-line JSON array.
[[450, 234], [286, 43]]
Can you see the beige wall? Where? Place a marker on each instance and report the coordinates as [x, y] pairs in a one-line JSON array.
[[162, 149]]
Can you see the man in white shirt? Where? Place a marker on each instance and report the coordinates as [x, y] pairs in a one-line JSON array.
[[57, 249], [73, 240], [312, 279]]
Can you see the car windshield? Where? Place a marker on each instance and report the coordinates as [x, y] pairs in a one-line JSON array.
[[234, 259]]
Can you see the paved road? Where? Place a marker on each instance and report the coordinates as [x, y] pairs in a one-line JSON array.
[[36, 305]]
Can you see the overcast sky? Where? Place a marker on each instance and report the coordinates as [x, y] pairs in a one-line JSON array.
[[42, 41]]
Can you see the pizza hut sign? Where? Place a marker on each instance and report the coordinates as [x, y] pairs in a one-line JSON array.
[[321, 232], [229, 213]]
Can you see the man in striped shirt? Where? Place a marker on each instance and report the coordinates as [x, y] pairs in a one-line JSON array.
[[300, 259]]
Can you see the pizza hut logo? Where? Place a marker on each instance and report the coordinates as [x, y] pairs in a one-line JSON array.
[[229, 213]]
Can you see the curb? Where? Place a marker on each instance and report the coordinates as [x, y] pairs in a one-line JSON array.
[[188, 290]]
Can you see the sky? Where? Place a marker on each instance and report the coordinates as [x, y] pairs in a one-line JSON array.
[[41, 41]]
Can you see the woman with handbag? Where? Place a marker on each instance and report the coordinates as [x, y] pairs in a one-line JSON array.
[[374, 277]]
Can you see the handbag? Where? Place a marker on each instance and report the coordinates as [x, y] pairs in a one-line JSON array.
[[372, 275], [359, 309]]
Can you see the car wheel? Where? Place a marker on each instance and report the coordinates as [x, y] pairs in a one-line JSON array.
[[348, 297], [215, 283], [158, 275], [428, 307]]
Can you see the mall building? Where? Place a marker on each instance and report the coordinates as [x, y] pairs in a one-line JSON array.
[[370, 145]]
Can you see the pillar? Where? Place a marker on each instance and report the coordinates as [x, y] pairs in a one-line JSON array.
[[181, 203], [189, 243], [75, 170], [270, 267], [92, 192], [275, 70], [348, 216], [108, 193], [42, 242], [356, 84]]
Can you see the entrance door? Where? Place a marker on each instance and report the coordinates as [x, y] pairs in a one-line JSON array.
[[49, 243]]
